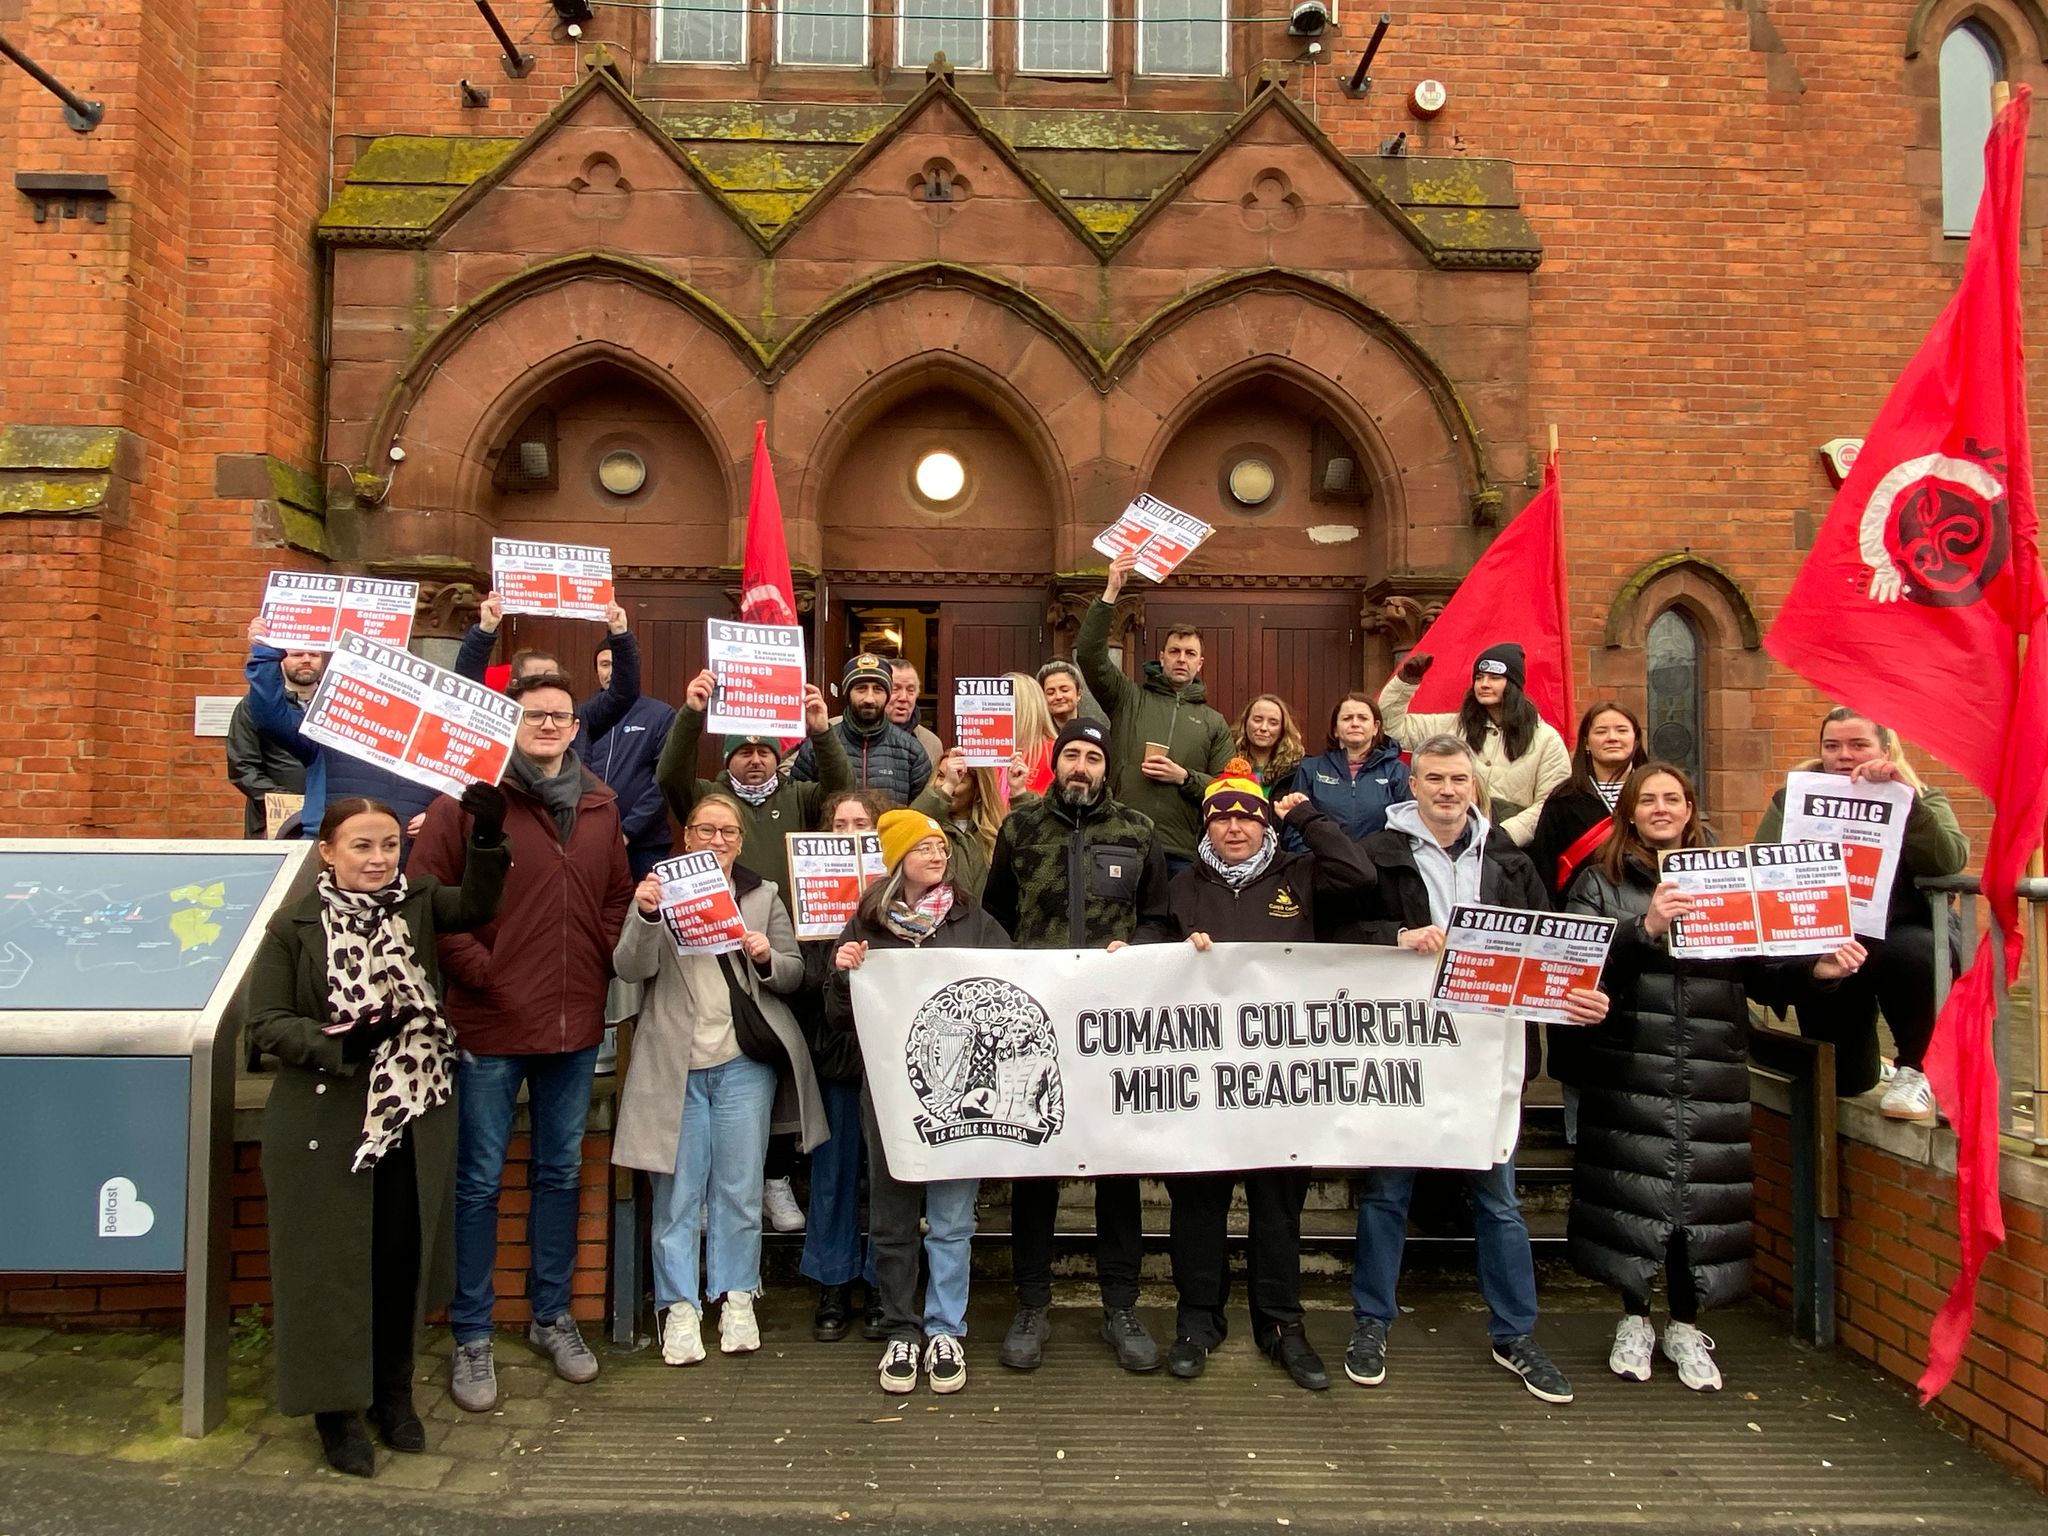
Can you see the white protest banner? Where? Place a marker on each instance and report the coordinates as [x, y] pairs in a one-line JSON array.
[[826, 877], [757, 675], [1162, 535], [1768, 899], [698, 906], [569, 581], [1521, 964], [299, 608], [1868, 820], [304, 611], [985, 720], [422, 722], [1157, 1059]]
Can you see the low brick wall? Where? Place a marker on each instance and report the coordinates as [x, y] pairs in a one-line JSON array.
[[135, 1301], [1895, 1258]]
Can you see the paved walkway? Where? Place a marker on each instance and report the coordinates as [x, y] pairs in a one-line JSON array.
[[798, 1437]]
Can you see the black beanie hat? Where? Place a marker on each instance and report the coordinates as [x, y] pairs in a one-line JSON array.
[[1505, 660], [1083, 728]]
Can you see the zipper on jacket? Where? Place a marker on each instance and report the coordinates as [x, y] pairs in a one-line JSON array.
[[1077, 891]]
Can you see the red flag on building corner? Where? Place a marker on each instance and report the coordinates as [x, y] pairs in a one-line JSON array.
[[1914, 605], [767, 595], [1516, 592]]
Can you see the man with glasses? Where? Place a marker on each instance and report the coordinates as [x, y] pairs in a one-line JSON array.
[[525, 995]]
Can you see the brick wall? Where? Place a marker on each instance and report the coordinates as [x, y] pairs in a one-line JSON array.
[[1895, 1258], [158, 1301]]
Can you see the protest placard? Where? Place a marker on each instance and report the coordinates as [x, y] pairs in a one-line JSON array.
[[279, 807], [306, 611], [827, 873], [1768, 899], [757, 673], [985, 720], [698, 906], [418, 720], [1868, 820], [569, 581], [1162, 536], [1009, 1064], [1504, 960]]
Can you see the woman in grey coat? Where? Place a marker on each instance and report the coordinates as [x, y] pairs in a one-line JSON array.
[[696, 1111], [358, 1143]]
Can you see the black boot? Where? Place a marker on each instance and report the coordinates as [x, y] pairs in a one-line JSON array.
[[396, 1420], [346, 1443], [832, 1321], [871, 1327]]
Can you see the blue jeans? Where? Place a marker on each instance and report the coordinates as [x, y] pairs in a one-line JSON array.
[[726, 1110], [947, 1207], [558, 1104], [832, 1246], [1507, 1274]]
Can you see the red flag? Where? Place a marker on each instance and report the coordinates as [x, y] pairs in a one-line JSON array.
[[767, 596], [1516, 592], [1913, 607]]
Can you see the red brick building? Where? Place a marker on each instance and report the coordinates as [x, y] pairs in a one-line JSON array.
[[354, 295]]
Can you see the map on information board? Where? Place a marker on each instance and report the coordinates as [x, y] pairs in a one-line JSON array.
[[146, 931]]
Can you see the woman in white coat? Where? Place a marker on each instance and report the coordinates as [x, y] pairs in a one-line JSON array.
[[696, 1110]]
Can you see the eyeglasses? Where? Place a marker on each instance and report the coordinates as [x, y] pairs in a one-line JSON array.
[[714, 834], [547, 716]]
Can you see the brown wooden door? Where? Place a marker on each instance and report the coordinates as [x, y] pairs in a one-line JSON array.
[[986, 639], [1305, 647]]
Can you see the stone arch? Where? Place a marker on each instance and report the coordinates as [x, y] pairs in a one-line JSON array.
[[1014, 360], [1934, 19], [1435, 482], [1739, 772], [475, 378]]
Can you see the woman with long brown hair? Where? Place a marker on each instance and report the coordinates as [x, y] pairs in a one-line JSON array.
[[1661, 1178], [358, 1143], [1579, 812], [1362, 775], [1269, 740]]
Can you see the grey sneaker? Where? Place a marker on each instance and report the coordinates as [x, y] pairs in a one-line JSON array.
[[561, 1343], [1122, 1332], [1024, 1344], [473, 1377]]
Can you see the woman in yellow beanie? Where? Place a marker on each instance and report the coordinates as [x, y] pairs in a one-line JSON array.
[[915, 905]]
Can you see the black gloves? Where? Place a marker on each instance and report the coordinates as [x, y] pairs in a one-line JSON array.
[[373, 1029], [486, 806], [1415, 666]]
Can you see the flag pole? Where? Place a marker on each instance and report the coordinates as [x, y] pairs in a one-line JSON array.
[[1553, 439]]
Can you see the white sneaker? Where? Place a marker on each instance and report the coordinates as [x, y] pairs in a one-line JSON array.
[[1692, 1352], [1909, 1097], [899, 1366], [1634, 1342], [778, 1204], [738, 1333], [682, 1336], [945, 1363]]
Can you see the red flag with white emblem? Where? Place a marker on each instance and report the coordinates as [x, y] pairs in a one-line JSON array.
[[1921, 606]]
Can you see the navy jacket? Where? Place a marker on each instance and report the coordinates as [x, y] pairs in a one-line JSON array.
[[1358, 805], [624, 757], [594, 716], [330, 775], [887, 758]]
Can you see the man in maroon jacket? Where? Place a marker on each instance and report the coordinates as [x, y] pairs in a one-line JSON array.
[[525, 994]]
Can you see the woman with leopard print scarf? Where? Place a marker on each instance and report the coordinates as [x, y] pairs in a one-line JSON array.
[[358, 1151]]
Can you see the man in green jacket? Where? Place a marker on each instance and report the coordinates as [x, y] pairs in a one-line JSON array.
[[1168, 744], [771, 806]]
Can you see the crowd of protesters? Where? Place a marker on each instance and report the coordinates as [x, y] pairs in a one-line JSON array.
[[458, 953]]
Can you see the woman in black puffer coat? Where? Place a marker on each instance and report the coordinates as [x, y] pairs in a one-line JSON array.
[[1661, 1179]]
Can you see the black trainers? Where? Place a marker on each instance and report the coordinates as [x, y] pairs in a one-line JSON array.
[[1186, 1359], [1365, 1357], [831, 1322], [1122, 1332], [1024, 1345], [1539, 1373], [1294, 1354]]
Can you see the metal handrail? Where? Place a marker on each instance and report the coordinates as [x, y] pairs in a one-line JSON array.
[[2027, 1068]]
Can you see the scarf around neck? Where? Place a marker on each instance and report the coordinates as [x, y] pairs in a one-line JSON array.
[[755, 794], [559, 791], [1238, 876], [914, 922], [371, 966]]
